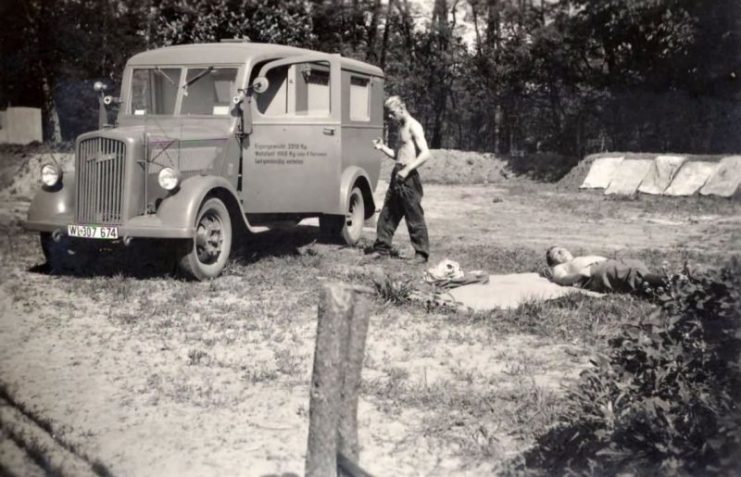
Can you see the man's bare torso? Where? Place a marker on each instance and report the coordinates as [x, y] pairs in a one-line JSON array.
[[406, 151], [575, 270]]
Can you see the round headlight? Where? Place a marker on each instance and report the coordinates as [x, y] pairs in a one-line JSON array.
[[51, 174], [168, 178]]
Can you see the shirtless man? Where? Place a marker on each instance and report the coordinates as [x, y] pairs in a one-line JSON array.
[[600, 274], [404, 195]]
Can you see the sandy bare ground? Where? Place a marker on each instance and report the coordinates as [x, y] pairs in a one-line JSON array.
[[156, 376]]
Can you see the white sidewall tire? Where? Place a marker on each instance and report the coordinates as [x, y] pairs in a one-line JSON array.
[[352, 226]]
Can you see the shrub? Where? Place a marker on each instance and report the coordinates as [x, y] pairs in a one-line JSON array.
[[390, 290], [665, 400]]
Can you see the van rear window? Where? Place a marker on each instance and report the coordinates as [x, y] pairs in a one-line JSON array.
[[359, 99]]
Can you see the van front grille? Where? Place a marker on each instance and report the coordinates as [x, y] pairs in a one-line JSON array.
[[100, 171]]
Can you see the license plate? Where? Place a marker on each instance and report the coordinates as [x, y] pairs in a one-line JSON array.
[[93, 231]]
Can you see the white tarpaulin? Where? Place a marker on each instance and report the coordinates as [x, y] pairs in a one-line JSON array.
[[661, 174], [726, 180], [20, 126], [601, 172], [691, 176], [510, 291], [628, 176]]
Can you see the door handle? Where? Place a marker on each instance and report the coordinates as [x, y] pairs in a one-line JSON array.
[[329, 131]]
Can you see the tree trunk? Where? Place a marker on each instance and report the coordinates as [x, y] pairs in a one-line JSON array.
[[386, 28], [498, 114], [52, 115], [35, 18], [476, 27], [370, 54]]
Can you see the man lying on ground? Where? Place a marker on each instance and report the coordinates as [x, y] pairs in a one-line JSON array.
[[600, 274]]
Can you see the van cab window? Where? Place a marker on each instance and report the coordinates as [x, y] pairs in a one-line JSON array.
[[208, 91], [154, 90], [299, 90]]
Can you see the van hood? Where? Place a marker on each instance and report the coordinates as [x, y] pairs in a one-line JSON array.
[[165, 132]]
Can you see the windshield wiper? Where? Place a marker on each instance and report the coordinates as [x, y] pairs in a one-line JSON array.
[[199, 76]]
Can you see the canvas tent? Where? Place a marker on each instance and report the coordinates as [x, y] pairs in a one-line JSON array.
[[726, 180], [691, 177], [601, 172], [662, 171], [628, 176]]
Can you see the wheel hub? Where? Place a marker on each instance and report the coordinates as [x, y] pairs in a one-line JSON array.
[[353, 215], [209, 239]]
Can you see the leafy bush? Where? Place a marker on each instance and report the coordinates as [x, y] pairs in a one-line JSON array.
[[666, 399]]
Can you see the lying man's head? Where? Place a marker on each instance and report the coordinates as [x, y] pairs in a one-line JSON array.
[[557, 255]]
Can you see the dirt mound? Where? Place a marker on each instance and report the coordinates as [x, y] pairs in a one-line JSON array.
[[449, 166], [21, 178], [20, 172]]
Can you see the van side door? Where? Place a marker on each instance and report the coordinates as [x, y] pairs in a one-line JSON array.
[[292, 157]]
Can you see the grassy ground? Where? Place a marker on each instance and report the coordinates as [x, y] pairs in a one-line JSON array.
[[145, 374]]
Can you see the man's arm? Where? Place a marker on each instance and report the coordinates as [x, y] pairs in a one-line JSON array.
[[418, 136], [379, 145]]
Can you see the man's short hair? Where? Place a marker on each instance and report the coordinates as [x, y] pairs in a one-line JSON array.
[[395, 101], [549, 258]]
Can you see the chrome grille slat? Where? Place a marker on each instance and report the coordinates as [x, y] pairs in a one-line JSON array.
[[100, 175]]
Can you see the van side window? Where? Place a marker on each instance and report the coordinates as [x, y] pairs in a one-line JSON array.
[[359, 98], [312, 90], [299, 90], [210, 94], [274, 101]]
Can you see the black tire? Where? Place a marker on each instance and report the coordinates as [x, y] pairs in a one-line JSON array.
[[347, 229], [207, 253]]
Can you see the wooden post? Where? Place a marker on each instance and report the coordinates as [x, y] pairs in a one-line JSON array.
[[335, 383], [353, 367]]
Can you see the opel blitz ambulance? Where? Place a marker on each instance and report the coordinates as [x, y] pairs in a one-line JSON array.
[[211, 138]]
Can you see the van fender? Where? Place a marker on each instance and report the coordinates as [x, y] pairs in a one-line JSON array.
[[349, 177], [180, 209], [52, 207]]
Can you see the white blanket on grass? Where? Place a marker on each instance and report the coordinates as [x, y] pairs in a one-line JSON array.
[[510, 291]]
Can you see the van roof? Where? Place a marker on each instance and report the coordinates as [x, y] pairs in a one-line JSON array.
[[231, 53]]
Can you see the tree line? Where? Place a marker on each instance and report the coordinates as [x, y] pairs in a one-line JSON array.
[[563, 76]]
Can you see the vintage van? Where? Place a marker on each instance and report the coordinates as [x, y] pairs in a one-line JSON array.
[[214, 138]]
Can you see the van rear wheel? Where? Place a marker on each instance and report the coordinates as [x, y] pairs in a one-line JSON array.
[[206, 254], [348, 228]]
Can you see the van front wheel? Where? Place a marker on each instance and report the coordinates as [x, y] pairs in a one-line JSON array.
[[206, 255], [348, 228]]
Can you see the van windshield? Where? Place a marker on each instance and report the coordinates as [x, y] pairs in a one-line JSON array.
[[205, 91], [154, 90], [209, 91]]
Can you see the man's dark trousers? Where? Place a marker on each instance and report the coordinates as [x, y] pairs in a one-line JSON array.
[[403, 200]]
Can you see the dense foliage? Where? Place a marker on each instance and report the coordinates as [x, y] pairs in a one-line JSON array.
[[560, 76], [667, 399]]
